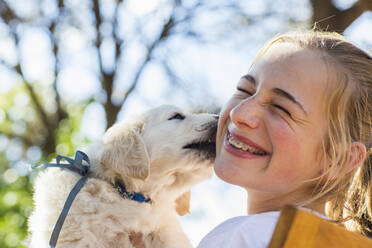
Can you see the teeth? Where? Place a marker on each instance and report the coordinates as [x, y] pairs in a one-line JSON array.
[[242, 146]]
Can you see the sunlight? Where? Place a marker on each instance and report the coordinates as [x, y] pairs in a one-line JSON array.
[[142, 7]]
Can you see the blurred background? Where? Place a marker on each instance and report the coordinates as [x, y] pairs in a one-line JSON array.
[[69, 69]]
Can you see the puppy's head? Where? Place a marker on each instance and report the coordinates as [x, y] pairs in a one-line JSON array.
[[176, 138], [182, 150], [166, 146]]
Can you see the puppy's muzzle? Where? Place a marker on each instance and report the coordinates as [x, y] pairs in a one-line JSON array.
[[206, 144]]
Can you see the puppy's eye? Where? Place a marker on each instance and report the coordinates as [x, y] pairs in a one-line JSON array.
[[177, 116]]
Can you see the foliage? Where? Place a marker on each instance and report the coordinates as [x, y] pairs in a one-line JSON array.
[[15, 205], [17, 152]]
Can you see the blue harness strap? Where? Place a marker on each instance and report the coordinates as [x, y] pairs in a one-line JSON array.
[[77, 165], [82, 168], [61, 219]]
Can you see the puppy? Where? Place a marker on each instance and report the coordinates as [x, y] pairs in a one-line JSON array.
[[161, 156]]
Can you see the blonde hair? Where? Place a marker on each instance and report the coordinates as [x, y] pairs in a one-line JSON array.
[[349, 115]]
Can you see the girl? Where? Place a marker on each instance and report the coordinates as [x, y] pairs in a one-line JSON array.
[[298, 131]]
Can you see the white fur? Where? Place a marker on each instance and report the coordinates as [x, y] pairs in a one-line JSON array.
[[148, 156]]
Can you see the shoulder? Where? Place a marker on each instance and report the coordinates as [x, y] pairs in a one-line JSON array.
[[243, 231]]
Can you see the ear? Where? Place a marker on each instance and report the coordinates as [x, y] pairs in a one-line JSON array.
[[183, 203], [126, 153], [357, 155]]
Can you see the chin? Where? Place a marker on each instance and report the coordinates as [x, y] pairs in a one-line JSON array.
[[226, 172]]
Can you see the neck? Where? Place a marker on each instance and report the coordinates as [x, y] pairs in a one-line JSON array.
[[259, 202], [319, 208], [162, 189]]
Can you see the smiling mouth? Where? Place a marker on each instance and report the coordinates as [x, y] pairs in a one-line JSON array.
[[239, 145]]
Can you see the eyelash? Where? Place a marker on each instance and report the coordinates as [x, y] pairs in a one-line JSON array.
[[282, 109], [275, 105], [244, 91]]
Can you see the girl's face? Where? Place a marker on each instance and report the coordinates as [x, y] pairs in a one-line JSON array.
[[270, 132]]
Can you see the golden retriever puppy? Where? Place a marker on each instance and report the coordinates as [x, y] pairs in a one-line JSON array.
[[161, 155]]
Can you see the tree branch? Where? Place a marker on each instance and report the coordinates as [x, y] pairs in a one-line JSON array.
[[118, 41], [38, 106], [163, 35], [61, 114], [107, 78], [50, 141], [366, 4], [349, 15], [7, 13], [327, 17], [97, 15], [112, 110]]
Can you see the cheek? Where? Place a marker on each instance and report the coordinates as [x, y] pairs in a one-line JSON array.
[[295, 154], [282, 135], [288, 151]]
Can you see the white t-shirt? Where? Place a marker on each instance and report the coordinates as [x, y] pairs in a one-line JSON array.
[[251, 231]]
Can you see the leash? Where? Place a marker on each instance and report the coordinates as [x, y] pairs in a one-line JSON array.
[[77, 166]]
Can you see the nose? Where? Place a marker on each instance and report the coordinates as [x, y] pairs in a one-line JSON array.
[[246, 114]]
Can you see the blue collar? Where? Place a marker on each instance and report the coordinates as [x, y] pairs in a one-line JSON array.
[[132, 196]]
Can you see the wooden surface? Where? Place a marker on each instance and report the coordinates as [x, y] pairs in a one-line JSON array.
[[300, 229]]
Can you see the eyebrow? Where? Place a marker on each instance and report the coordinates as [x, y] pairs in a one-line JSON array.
[[277, 91], [250, 78]]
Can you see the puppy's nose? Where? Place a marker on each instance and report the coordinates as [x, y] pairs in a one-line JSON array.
[[216, 117]]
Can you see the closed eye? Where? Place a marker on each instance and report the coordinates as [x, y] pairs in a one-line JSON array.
[[282, 109], [244, 91], [177, 116]]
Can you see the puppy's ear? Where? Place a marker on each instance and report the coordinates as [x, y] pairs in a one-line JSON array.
[[126, 153], [183, 203]]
